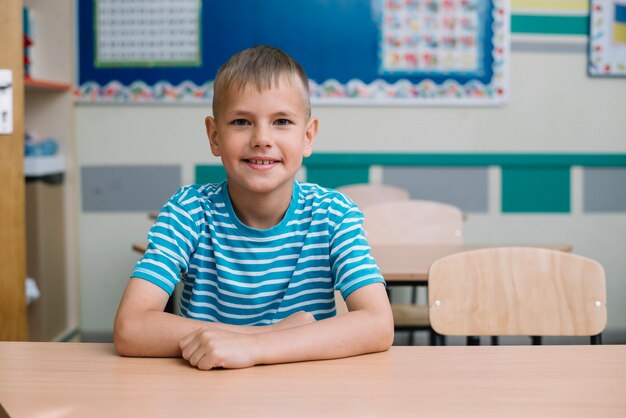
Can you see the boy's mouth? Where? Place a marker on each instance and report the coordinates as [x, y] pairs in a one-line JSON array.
[[256, 161]]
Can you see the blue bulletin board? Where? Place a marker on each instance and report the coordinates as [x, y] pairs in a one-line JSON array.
[[354, 51]]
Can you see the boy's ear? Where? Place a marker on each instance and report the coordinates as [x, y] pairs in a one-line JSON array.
[[309, 136], [211, 132]]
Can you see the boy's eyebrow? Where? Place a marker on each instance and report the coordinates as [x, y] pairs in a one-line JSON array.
[[242, 112], [285, 113]]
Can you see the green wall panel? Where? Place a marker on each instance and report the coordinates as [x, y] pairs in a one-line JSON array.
[[550, 25], [335, 176], [210, 174], [532, 189], [325, 159]]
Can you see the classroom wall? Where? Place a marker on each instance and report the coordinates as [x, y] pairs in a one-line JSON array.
[[554, 108]]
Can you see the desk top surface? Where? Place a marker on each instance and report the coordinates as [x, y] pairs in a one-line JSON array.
[[73, 379]]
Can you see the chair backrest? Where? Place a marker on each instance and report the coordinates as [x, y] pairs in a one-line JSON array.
[[413, 222], [370, 194], [517, 291]]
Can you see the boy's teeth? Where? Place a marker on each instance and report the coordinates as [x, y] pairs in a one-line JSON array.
[[260, 161]]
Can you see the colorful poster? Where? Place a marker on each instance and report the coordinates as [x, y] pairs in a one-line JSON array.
[[607, 38], [432, 37], [147, 33]]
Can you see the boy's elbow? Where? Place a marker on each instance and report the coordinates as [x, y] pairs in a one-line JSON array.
[[386, 334], [122, 347], [122, 337]]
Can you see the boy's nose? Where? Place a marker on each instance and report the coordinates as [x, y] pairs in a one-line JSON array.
[[262, 137]]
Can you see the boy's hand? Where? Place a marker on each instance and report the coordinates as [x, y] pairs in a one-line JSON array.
[[294, 320], [208, 349]]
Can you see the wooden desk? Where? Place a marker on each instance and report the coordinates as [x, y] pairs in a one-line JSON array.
[[72, 379], [409, 264]]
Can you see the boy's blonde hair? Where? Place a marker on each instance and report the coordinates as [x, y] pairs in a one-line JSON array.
[[262, 66]]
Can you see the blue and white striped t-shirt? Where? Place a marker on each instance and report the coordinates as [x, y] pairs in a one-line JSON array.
[[238, 275]]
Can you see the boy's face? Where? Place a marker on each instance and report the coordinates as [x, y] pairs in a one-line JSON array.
[[262, 138]]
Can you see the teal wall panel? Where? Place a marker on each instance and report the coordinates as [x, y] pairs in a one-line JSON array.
[[336, 176], [533, 189], [550, 25], [465, 159], [210, 174]]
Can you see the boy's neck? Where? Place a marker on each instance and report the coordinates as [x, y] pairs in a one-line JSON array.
[[260, 211]]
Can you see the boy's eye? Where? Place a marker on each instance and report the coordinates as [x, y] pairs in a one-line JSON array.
[[283, 122], [239, 122]]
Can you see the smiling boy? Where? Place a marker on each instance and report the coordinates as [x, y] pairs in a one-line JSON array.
[[260, 255]]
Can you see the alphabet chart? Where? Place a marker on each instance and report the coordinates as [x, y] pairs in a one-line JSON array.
[[426, 36], [147, 33]]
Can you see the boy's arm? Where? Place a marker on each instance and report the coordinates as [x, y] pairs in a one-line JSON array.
[[367, 328], [142, 328]]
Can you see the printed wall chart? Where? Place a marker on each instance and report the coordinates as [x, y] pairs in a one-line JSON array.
[[151, 33]]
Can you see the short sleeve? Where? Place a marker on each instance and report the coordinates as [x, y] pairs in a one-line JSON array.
[[352, 263], [172, 240]]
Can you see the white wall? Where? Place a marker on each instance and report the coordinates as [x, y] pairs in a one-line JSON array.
[[554, 107]]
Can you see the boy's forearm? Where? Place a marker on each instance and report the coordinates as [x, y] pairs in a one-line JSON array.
[[354, 333], [158, 334]]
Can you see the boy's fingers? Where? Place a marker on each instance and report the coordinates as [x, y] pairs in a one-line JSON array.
[[206, 363], [196, 357], [189, 349]]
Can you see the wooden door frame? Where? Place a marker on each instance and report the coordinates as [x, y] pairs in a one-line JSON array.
[[13, 313]]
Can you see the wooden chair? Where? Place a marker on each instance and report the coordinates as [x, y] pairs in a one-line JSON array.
[[413, 222], [370, 194], [517, 291]]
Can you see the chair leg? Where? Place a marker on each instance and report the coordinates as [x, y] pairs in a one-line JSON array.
[[536, 340], [495, 340], [473, 340], [596, 339], [437, 339]]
